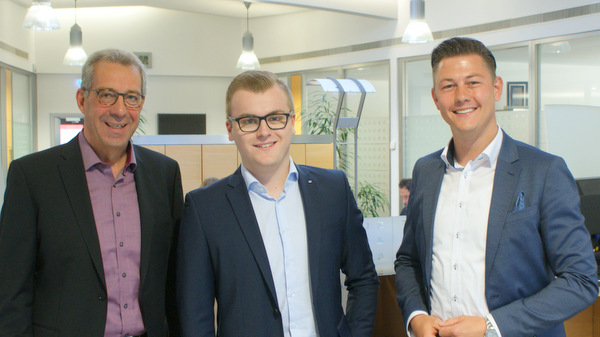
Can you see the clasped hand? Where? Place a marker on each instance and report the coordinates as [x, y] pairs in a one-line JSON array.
[[461, 326]]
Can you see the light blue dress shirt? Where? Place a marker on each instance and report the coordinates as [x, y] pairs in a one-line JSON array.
[[283, 229]]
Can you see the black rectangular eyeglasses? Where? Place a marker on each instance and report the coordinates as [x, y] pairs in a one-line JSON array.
[[274, 121]]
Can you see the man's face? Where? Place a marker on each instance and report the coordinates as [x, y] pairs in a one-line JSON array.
[[404, 193], [109, 128], [464, 93], [264, 150]]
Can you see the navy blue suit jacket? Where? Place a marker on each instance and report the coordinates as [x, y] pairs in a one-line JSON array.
[[539, 267], [222, 256]]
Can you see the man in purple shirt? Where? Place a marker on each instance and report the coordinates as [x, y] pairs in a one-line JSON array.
[[87, 228]]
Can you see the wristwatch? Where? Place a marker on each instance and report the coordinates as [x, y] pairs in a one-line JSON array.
[[490, 330]]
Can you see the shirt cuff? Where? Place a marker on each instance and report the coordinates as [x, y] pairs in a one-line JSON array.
[[491, 319], [414, 313]]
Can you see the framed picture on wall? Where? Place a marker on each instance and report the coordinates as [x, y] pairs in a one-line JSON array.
[[517, 95], [146, 59]]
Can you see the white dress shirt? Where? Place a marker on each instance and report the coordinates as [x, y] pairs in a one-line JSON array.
[[283, 230], [459, 236]]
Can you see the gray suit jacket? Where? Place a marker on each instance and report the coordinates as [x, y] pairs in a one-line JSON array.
[[540, 268], [222, 256], [51, 273]]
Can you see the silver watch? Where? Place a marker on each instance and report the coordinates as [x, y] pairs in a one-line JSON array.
[[490, 330]]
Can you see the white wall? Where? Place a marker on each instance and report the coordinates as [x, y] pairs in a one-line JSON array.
[[197, 53], [11, 33]]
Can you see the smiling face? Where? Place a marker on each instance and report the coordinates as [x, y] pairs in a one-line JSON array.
[[109, 128], [465, 92], [263, 151]]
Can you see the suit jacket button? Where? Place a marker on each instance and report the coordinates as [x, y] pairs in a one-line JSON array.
[[276, 313], [101, 297]]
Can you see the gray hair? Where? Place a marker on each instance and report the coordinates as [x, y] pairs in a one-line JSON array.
[[122, 57]]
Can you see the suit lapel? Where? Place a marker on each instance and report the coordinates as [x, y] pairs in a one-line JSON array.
[[314, 225], [143, 184], [506, 177], [73, 176], [242, 208], [433, 180]]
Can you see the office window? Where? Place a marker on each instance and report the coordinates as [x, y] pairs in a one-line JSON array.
[[423, 129], [18, 127], [569, 73]]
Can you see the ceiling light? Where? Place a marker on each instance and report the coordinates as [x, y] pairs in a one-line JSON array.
[[248, 59], [40, 16], [75, 56], [417, 30], [556, 47]]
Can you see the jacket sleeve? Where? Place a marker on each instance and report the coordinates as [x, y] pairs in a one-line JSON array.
[[195, 280], [171, 296], [410, 291], [569, 256], [361, 277], [17, 255]]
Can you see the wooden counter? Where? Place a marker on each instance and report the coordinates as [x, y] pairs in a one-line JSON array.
[[389, 320]]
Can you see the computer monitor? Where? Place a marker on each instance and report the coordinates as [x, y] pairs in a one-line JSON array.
[[590, 208], [588, 186]]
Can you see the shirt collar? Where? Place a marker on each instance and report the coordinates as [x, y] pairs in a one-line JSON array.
[[91, 159], [252, 184], [489, 155]]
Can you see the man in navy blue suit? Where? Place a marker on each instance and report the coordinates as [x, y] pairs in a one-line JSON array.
[[494, 243], [268, 242]]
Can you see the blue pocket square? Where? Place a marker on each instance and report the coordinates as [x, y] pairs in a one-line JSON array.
[[520, 203]]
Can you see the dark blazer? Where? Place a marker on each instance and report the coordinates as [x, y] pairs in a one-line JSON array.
[[535, 233], [51, 274], [222, 256]]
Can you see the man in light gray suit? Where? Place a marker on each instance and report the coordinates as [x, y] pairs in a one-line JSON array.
[[494, 243]]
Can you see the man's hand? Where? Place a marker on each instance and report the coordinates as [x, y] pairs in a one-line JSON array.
[[462, 326], [425, 326]]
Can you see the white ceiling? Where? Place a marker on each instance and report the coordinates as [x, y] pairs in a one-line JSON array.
[[387, 9]]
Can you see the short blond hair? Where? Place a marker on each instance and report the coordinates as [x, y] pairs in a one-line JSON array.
[[256, 81]]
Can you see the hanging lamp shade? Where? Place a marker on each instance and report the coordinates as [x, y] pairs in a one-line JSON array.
[[75, 55], [417, 30], [248, 59], [41, 16]]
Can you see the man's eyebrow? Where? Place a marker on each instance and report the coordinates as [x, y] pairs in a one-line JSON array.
[[270, 113]]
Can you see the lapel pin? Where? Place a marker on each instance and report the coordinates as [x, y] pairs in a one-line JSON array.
[[310, 181]]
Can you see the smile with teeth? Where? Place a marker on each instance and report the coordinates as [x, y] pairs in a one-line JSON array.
[[263, 146], [464, 111], [115, 126]]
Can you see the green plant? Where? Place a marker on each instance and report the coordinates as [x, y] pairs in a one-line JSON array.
[[319, 121], [140, 129], [370, 199]]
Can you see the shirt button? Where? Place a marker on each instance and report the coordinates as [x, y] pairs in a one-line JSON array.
[[125, 306], [118, 213], [453, 298], [121, 244], [124, 274]]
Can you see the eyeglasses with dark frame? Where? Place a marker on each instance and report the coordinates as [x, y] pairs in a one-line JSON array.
[[274, 121], [108, 97]]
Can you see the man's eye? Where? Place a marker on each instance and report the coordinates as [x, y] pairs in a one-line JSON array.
[[249, 121], [274, 118]]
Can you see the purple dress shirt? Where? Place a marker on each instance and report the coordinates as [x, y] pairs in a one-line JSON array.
[[117, 217]]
